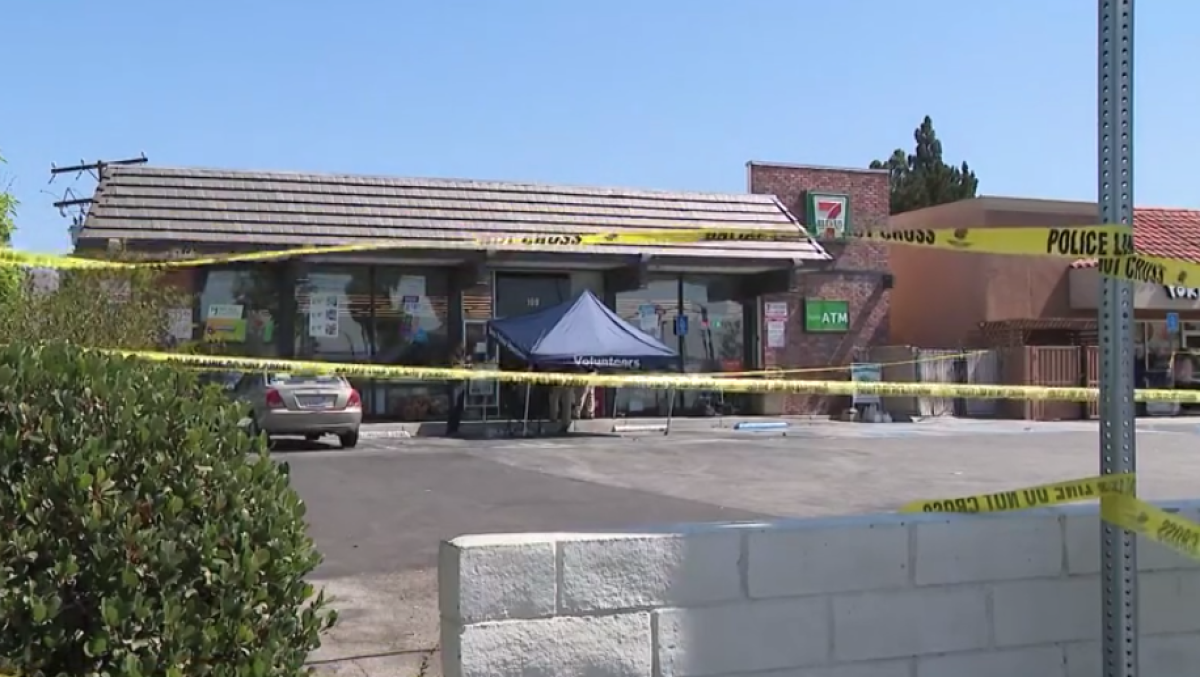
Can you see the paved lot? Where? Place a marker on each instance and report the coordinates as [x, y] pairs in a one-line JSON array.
[[378, 512]]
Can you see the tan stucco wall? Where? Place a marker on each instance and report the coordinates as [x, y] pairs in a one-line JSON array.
[[941, 296]]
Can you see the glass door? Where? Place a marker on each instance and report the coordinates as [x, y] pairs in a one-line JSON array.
[[524, 293]]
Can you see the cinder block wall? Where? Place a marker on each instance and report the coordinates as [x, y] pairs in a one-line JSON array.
[[869, 596]]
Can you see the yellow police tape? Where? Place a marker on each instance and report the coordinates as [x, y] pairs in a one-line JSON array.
[[1156, 524], [1111, 244], [656, 381], [776, 372], [1040, 496], [1078, 242], [13, 258], [1119, 506]]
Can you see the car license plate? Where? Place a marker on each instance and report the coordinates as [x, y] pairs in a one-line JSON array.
[[315, 401]]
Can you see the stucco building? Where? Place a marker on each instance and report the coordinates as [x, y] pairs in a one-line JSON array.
[[1041, 311]]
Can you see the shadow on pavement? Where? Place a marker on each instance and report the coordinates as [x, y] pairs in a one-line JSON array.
[[294, 444]]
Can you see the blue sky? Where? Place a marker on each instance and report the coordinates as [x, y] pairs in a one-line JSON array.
[[674, 94]]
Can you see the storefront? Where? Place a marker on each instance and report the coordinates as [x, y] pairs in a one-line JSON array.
[[413, 305], [942, 297], [1166, 327], [706, 320], [1038, 314]]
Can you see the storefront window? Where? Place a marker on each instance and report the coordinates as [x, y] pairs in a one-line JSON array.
[[1158, 347], [333, 314], [380, 314], [333, 319], [653, 310], [411, 309], [713, 342], [238, 311], [1189, 336]]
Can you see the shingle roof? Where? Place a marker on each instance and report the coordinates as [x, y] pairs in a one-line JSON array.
[[1169, 233], [277, 209]]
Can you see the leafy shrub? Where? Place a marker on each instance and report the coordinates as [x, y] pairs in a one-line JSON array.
[[95, 308], [141, 533]]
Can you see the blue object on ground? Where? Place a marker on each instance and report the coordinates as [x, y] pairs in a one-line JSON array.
[[761, 425]]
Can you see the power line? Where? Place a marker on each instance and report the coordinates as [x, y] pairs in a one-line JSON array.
[[70, 204]]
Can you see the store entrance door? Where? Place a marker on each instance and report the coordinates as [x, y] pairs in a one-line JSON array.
[[520, 294], [524, 293]]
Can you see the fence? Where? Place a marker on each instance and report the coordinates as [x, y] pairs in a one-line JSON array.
[[909, 364], [1053, 366]]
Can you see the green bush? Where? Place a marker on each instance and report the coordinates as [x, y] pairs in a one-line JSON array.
[[95, 308], [141, 532]]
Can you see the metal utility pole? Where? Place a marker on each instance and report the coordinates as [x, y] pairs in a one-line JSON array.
[[70, 200], [1118, 454]]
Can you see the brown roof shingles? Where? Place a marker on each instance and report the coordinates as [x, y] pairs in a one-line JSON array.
[[274, 209], [1167, 233]]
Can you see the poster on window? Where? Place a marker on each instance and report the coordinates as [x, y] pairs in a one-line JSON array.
[[323, 315], [866, 372], [411, 285], [224, 311], [179, 324], [775, 310], [411, 305], [648, 318], [223, 323], [224, 330], [776, 333]]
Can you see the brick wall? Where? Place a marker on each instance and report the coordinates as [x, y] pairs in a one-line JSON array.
[[854, 275], [874, 595]]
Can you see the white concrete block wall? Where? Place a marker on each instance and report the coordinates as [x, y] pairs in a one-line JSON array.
[[865, 596]]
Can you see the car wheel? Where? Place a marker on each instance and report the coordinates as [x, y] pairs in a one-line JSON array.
[[254, 431], [349, 440]]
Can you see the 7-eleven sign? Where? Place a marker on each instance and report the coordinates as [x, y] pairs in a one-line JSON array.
[[828, 215]]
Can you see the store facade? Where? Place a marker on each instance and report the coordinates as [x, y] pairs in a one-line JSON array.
[[1038, 314], [1166, 330], [413, 305], [943, 297]]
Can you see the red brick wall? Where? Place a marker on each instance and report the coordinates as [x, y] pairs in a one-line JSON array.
[[868, 300]]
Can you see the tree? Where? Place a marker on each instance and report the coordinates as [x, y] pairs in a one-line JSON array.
[[10, 278], [923, 179]]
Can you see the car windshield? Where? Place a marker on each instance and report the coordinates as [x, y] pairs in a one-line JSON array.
[[303, 379]]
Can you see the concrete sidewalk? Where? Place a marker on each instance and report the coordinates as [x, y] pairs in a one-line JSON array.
[[499, 429]]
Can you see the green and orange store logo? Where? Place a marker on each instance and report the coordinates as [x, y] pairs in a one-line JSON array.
[[828, 216]]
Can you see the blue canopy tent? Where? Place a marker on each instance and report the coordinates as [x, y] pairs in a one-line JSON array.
[[581, 333]]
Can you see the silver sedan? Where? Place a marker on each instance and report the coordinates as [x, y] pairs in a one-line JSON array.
[[307, 405]]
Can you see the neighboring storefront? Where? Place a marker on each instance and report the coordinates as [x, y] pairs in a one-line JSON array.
[[943, 297], [963, 300], [411, 306], [1166, 330]]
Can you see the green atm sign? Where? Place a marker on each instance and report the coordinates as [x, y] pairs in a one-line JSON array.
[[821, 315]]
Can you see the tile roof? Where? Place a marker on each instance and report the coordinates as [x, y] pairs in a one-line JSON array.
[[278, 209], [1169, 233]]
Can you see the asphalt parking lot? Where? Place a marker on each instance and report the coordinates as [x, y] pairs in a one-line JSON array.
[[379, 511]]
